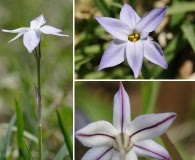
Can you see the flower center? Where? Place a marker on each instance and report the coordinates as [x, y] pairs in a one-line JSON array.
[[122, 143], [134, 37]]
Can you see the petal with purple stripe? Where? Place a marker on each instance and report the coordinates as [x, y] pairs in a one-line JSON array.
[[129, 16], [99, 153], [150, 126], [154, 53], [151, 20], [96, 134], [149, 148], [121, 117], [135, 55], [115, 27], [114, 54]]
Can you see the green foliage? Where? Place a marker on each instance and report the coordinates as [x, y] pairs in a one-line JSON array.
[[7, 138], [66, 135]]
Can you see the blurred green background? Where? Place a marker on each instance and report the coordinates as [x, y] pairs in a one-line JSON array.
[[18, 73], [176, 35], [94, 101]]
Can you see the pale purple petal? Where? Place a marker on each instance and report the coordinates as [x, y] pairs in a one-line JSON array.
[[129, 16], [113, 55], [131, 155], [121, 117], [135, 54], [144, 35], [151, 20], [115, 27], [149, 148], [18, 30], [16, 37], [99, 153], [37, 22], [116, 156], [31, 40], [96, 134], [149, 126], [154, 53], [51, 30]]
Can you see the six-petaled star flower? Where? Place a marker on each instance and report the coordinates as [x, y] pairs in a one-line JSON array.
[[32, 34], [124, 140], [132, 41]]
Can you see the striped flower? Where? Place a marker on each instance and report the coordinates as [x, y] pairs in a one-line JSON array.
[[125, 140]]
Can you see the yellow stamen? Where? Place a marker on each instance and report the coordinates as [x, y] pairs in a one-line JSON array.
[[134, 37]]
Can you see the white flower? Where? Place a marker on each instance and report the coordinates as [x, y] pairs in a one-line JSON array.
[[124, 140], [32, 34]]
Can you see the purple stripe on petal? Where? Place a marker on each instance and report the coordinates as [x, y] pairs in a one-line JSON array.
[[153, 126], [151, 20], [96, 134], [104, 153], [157, 154], [121, 116], [99, 153]]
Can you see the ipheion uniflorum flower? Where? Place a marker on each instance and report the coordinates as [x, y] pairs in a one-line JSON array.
[[125, 140], [132, 40], [32, 34]]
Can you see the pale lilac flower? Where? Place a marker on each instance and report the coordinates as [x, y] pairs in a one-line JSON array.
[[32, 34], [132, 41], [125, 140]]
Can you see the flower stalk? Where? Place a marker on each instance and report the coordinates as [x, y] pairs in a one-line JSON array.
[[37, 54]]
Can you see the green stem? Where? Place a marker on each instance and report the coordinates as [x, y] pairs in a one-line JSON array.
[[40, 141], [37, 53]]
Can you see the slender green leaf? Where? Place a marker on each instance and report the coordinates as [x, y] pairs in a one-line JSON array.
[[101, 4], [61, 153], [7, 138], [189, 32], [20, 129], [66, 135], [149, 94], [27, 148], [181, 7]]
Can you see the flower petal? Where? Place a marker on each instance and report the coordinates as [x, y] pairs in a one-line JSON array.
[[121, 117], [18, 30], [129, 16], [31, 40], [16, 37], [37, 22], [131, 155], [135, 55], [150, 126], [154, 53], [151, 20], [149, 148], [115, 27], [96, 134], [51, 30], [113, 55], [100, 153]]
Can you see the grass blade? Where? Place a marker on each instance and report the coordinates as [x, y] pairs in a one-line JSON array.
[[101, 4], [149, 95], [188, 30], [66, 135], [20, 133], [7, 138], [20, 129], [61, 153]]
